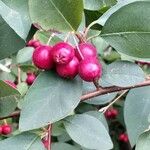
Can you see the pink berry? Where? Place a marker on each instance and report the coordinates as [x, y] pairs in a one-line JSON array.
[[123, 137], [10, 83], [42, 57], [34, 43], [45, 142], [69, 70], [114, 113], [30, 78], [6, 129], [108, 114], [63, 53], [87, 50], [1, 130], [90, 69]]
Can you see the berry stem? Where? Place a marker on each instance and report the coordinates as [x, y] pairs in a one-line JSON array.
[[49, 136], [50, 38], [67, 36], [5, 122], [19, 75]]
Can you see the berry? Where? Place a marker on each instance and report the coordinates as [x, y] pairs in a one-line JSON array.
[[111, 113], [45, 142], [34, 43], [30, 78], [1, 130], [42, 57], [123, 137], [10, 83], [87, 50], [69, 70], [63, 53], [90, 69], [114, 113], [6, 129]]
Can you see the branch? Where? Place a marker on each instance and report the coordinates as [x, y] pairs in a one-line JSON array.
[[98, 92]]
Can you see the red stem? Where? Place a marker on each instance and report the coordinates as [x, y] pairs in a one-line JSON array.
[[49, 136]]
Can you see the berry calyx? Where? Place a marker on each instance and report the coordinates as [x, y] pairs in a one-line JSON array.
[[42, 57], [111, 113], [123, 137], [69, 70], [90, 69], [34, 43], [30, 78], [63, 53], [1, 130], [87, 50], [6, 129], [10, 83]]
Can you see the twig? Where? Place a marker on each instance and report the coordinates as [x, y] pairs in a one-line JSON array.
[[49, 136]]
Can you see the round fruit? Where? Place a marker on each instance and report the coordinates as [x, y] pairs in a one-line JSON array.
[[6, 129], [10, 83], [111, 113], [34, 43], [30, 78], [108, 114], [42, 57], [1, 130], [123, 137], [69, 70], [90, 69], [87, 50], [63, 53], [114, 112]]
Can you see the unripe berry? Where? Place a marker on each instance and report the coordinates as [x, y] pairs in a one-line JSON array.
[[10, 83], [123, 137], [87, 50], [30, 78], [63, 53], [34, 43], [90, 69], [1, 130], [45, 142], [69, 70], [42, 57], [6, 129]]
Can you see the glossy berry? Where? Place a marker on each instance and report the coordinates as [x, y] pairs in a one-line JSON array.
[[63, 53], [45, 142], [111, 113], [10, 83], [1, 130], [6, 129], [34, 43], [87, 50], [42, 57], [90, 69], [123, 137], [69, 70], [30, 78]]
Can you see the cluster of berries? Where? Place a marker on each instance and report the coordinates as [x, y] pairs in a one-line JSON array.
[[68, 61], [111, 113], [5, 129]]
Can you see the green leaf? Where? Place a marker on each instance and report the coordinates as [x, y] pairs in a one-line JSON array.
[[143, 141], [24, 141], [93, 4], [130, 34], [136, 112], [53, 14], [88, 132], [25, 55], [58, 128], [19, 10], [10, 42], [123, 73], [63, 146], [8, 99], [49, 99], [22, 88]]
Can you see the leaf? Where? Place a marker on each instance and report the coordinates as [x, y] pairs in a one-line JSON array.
[[93, 4], [129, 34], [10, 42], [143, 141], [24, 141], [52, 14], [63, 146], [8, 99], [123, 73], [88, 132], [18, 10], [136, 112], [25, 55], [49, 99]]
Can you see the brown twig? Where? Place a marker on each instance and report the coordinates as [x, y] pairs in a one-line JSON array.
[[95, 93]]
